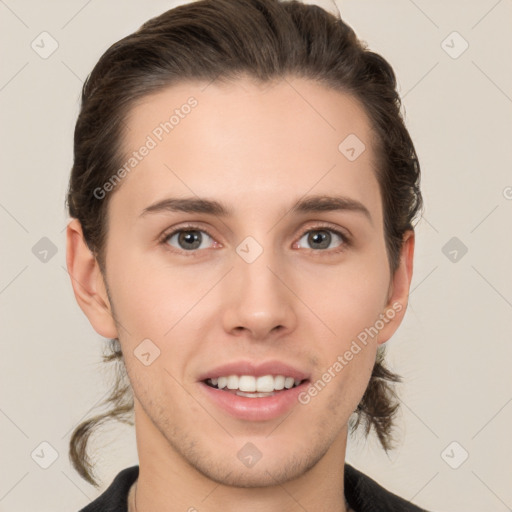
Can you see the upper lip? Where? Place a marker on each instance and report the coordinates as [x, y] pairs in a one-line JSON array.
[[254, 369]]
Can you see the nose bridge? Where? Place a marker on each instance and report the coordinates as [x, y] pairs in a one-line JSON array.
[[259, 302]]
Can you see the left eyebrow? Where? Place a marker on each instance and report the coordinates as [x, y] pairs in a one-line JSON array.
[[317, 203], [324, 203]]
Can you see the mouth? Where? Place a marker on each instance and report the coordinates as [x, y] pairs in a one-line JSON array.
[[252, 391], [250, 386], [249, 403]]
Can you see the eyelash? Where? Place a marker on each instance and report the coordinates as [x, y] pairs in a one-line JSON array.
[[346, 241]]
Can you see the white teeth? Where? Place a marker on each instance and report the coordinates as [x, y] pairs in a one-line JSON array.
[[250, 384], [265, 384], [232, 382], [253, 395], [246, 383], [279, 382], [289, 382]]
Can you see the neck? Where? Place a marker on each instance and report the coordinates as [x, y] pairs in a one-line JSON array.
[[168, 481], [132, 501]]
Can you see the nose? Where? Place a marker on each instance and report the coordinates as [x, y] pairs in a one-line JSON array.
[[260, 303]]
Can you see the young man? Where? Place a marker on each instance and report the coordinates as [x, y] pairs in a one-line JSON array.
[[241, 203]]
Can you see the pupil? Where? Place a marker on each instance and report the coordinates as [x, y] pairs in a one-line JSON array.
[[193, 238], [320, 237]]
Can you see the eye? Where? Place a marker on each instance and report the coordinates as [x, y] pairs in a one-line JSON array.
[[188, 239], [323, 238]]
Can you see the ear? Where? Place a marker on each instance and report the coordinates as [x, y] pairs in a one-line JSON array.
[[399, 290], [87, 282]]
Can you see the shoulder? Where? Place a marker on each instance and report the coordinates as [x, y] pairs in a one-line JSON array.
[[365, 495], [115, 497]]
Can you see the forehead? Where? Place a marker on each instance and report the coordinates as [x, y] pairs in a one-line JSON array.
[[275, 139]]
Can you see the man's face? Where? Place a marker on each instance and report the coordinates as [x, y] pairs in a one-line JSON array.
[[262, 283]]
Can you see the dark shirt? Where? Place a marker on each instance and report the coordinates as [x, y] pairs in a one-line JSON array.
[[362, 493]]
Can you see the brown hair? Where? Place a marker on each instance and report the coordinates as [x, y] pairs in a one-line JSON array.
[[225, 40]]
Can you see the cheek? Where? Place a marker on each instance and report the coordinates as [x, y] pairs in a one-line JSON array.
[[161, 304], [150, 300], [349, 303], [347, 298]]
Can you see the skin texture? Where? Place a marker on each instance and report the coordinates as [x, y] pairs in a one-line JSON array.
[[257, 149]]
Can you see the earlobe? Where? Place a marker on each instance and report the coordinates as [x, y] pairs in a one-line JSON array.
[[400, 286], [87, 282]]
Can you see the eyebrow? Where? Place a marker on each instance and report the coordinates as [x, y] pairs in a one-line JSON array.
[[317, 203]]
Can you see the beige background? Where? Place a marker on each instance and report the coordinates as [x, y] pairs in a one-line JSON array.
[[454, 348]]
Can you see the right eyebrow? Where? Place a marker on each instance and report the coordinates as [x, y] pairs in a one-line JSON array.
[[188, 205]]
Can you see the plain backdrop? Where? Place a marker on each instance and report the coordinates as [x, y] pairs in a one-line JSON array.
[[452, 59]]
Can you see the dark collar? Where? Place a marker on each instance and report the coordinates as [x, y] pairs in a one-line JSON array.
[[365, 495]]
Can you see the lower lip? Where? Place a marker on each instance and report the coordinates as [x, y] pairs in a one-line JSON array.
[[255, 409]]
